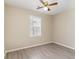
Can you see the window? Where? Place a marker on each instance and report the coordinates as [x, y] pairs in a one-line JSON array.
[[35, 23]]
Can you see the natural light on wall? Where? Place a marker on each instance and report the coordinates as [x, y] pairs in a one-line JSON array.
[[35, 26]]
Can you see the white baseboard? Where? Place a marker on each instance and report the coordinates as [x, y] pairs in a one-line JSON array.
[[64, 45], [38, 45], [27, 47]]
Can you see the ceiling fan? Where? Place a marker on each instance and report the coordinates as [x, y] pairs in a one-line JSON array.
[[46, 5]]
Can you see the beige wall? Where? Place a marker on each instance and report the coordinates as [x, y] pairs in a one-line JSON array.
[[64, 28], [58, 28], [17, 31]]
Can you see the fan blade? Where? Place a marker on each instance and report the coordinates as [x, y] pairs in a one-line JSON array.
[[53, 4], [41, 1], [39, 7]]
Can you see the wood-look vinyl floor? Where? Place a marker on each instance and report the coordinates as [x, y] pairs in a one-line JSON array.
[[48, 51]]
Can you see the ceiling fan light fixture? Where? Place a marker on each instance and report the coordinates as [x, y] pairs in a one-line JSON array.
[[46, 5], [45, 9]]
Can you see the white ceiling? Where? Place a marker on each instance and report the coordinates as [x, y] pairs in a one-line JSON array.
[[32, 4]]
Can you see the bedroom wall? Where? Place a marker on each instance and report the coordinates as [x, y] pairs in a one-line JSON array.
[[17, 31], [64, 28], [57, 28]]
